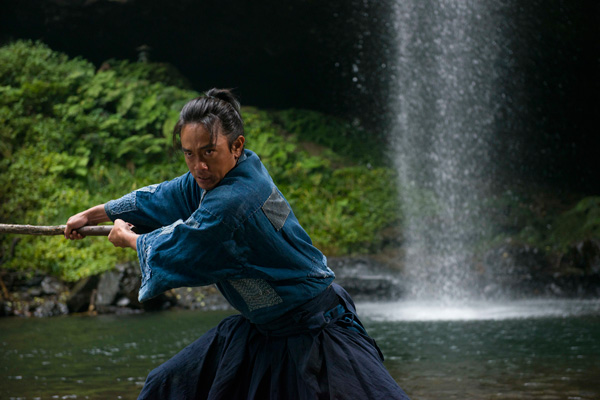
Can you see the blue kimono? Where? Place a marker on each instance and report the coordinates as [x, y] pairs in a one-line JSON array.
[[297, 336]]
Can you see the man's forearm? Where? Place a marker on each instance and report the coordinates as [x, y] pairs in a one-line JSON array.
[[96, 215]]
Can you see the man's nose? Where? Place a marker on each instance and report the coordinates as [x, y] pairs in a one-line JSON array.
[[201, 166]]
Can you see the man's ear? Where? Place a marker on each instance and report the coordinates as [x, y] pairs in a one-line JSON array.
[[238, 145]]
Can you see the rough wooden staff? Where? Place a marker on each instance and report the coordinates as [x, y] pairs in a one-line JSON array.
[[102, 230]]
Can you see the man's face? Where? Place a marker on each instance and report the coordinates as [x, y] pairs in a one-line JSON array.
[[208, 161]]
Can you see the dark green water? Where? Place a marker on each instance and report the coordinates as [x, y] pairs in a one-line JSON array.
[[108, 357]]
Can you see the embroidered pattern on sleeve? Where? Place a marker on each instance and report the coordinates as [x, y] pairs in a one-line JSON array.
[[123, 205], [146, 267], [144, 255], [128, 202], [257, 293], [276, 209]]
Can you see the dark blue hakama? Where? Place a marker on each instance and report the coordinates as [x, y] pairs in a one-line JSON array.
[[318, 351]]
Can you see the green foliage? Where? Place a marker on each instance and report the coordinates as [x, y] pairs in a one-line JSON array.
[[542, 222], [336, 134], [69, 260], [579, 223], [355, 204], [72, 137], [154, 72], [343, 209]]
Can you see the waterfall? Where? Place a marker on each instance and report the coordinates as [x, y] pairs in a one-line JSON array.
[[447, 100]]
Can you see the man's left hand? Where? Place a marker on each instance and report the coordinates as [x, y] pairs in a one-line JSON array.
[[122, 235]]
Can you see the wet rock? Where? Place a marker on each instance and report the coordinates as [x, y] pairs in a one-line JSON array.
[[582, 257], [51, 308], [4, 308], [205, 298], [367, 279], [161, 302], [514, 269], [82, 294], [492, 290], [129, 285], [33, 292], [34, 281], [108, 288], [519, 270], [123, 302], [555, 289], [51, 286]]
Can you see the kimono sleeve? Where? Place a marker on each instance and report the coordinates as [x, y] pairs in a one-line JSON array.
[[190, 253], [159, 205]]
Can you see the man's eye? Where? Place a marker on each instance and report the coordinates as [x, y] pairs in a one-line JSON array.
[[209, 152]]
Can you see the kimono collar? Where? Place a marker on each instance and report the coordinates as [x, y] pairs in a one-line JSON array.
[[242, 158]]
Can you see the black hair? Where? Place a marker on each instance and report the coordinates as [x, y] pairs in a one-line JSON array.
[[217, 109]]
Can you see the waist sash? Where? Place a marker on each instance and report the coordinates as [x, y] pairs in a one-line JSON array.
[[311, 316]]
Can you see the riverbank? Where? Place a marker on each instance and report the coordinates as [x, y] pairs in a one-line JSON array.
[[367, 278]]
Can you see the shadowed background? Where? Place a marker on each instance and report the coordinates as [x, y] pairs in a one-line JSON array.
[[342, 58]]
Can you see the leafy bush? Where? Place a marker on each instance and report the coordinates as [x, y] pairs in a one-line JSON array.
[[72, 137], [577, 224], [149, 71], [542, 221], [336, 134], [344, 209]]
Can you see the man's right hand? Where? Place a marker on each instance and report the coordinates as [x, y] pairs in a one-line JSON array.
[[91, 216], [74, 223]]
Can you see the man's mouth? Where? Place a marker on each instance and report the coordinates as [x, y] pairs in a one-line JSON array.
[[203, 181]]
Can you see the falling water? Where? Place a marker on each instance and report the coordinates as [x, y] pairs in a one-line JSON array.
[[447, 100]]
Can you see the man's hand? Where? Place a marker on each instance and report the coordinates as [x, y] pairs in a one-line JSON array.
[[122, 235], [92, 216], [73, 223]]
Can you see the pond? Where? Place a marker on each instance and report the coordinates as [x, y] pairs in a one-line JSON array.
[[521, 350]]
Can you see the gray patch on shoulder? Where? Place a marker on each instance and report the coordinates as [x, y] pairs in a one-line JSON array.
[[257, 293], [276, 209]]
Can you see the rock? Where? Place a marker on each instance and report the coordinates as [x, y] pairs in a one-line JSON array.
[[108, 288], [34, 292], [35, 280], [367, 279], [51, 286], [161, 302], [51, 308], [555, 289], [81, 294], [4, 308], [130, 283], [491, 291], [123, 302], [515, 270], [204, 297], [519, 270], [583, 256]]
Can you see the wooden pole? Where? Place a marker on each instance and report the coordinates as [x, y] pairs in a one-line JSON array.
[[101, 230]]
